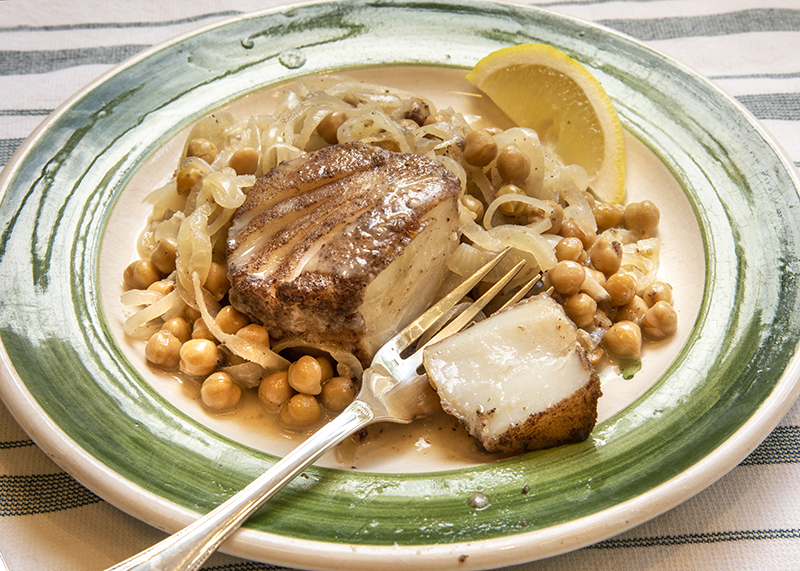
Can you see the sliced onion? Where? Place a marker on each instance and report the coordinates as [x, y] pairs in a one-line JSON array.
[[140, 297], [620, 235], [221, 221], [579, 210], [224, 189], [165, 198], [276, 153], [481, 181], [211, 128], [476, 233], [168, 228], [524, 239], [466, 259], [541, 227], [319, 106], [454, 167], [642, 260], [594, 289], [194, 251], [149, 313], [370, 124]]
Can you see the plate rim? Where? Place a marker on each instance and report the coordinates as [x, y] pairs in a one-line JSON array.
[[59, 444]]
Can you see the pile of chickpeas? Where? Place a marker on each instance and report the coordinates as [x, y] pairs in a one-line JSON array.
[[626, 317], [309, 386], [621, 315], [299, 395]]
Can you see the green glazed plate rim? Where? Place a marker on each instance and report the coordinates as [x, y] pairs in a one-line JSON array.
[[68, 383]]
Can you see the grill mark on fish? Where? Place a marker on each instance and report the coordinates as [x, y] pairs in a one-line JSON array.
[[314, 213]]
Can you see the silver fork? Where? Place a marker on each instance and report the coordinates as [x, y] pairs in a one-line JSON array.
[[394, 388]]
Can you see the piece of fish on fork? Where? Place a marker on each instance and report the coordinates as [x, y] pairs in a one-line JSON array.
[[394, 388]]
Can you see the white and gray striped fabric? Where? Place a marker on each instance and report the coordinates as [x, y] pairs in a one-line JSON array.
[[750, 519]]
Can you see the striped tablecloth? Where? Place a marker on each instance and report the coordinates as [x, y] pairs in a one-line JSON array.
[[750, 519]]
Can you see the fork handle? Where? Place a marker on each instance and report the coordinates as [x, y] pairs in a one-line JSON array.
[[187, 549]]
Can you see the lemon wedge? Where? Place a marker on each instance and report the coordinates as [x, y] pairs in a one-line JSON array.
[[542, 88]]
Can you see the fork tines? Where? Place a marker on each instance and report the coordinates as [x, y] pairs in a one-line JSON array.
[[408, 336], [413, 331]]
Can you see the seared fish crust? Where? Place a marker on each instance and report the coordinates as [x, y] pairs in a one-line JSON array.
[[344, 245]]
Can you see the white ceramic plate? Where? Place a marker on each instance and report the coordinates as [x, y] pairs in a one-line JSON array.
[[71, 207]]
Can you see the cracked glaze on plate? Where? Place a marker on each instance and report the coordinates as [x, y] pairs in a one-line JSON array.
[[72, 384]]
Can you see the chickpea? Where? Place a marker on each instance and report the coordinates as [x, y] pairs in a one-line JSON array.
[[217, 282], [301, 411], [187, 177], [163, 349], [606, 256], [200, 330], [570, 248], [595, 356], [571, 228], [191, 314], [352, 100], [474, 206], [328, 128], [200, 357], [305, 375], [512, 208], [642, 218], [580, 308], [179, 327], [140, 274], [230, 320], [337, 394], [419, 112], [275, 391], [326, 367], [589, 197], [255, 334], [202, 149], [480, 148], [660, 321], [219, 392], [624, 339], [534, 214], [163, 257], [634, 310], [621, 287], [513, 165], [162, 286], [245, 161], [438, 118], [655, 292], [567, 277], [607, 215], [556, 218]]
